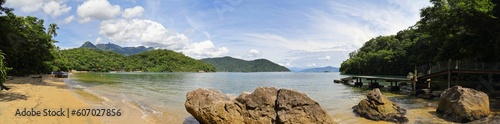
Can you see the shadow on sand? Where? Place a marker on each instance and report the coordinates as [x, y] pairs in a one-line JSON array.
[[11, 96]]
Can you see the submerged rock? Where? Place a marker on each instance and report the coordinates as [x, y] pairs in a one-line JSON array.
[[265, 105], [463, 105], [377, 107]]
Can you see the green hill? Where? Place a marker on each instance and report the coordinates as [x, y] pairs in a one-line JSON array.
[[117, 48], [150, 61], [229, 64], [166, 61]]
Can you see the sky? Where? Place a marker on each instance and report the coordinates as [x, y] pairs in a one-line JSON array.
[[292, 33]]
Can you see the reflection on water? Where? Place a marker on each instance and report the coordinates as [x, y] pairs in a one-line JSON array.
[[162, 95]]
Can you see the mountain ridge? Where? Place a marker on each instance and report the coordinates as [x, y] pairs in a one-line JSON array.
[[230, 64], [116, 48]]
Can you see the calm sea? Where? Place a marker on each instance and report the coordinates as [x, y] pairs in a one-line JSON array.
[[162, 95]]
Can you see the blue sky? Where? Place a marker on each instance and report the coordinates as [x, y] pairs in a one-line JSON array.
[[293, 33]]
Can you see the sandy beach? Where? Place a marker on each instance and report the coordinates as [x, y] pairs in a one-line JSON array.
[[47, 93]]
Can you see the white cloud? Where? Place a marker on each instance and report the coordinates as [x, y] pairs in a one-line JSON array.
[[68, 19], [356, 22], [56, 9], [287, 63], [135, 32], [98, 40], [133, 12], [254, 53], [97, 9], [26, 5], [291, 44], [142, 32], [327, 58], [204, 49], [311, 65]]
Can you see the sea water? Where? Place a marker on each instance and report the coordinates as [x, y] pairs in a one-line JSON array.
[[162, 95]]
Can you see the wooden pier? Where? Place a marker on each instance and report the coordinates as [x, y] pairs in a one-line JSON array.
[[373, 81], [486, 75], [483, 72]]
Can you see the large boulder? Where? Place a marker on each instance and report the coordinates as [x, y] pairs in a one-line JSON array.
[[259, 106], [265, 105], [210, 106], [377, 107], [296, 108], [463, 105]]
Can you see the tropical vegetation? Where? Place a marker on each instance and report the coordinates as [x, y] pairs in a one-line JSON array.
[[448, 30], [229, 64], [84, 59], [27, 47]]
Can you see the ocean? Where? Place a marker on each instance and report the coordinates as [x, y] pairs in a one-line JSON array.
[[161, 96]]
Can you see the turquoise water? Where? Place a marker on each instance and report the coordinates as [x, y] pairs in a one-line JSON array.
[[162, 95]]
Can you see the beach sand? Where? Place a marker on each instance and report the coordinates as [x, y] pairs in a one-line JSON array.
[[42, 94]]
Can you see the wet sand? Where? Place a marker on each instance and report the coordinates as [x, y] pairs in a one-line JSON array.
[[42, 94]]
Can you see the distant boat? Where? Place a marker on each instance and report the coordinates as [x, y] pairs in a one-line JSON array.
[[112, 71]]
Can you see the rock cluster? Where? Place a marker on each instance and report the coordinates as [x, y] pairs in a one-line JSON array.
[[463, 105], [265, 105], [377, 107]]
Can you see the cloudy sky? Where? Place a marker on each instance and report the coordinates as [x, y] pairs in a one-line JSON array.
[[293, 33]]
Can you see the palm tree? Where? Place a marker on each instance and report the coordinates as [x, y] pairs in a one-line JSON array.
[[52, 29]]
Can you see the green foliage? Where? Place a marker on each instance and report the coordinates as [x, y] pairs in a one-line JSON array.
[[152, 61], [52, 29], [457, 30], [166, 61], [3, 68], [89, 60], [28, 49], [228, 64]]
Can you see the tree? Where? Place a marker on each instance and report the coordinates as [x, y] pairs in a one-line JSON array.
[[4, 9], [3, 72], [461, 29], [449, 29], [52, 30]]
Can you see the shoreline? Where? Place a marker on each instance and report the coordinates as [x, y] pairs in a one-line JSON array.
[[47, 93]]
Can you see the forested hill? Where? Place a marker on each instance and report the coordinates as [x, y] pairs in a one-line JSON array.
[[150, 61], [117, 48], [448, 30], [229, 64]]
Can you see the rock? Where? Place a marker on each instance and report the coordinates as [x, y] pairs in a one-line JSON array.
[[265, 105], [210, 106], [492, 119], [377, 107], [259, 106], [463, 105], [296, 108]]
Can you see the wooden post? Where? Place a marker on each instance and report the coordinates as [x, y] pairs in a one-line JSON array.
[[414, 81], [428, 83], [449, 72]]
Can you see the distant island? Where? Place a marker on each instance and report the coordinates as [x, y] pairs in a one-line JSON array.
[[117, 48], [321, 69], [229, 64]]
